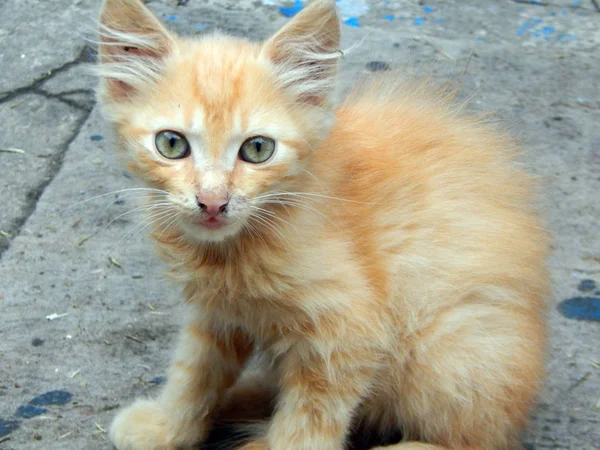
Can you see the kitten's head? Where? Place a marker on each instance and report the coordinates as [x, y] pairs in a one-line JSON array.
[[219, 124]]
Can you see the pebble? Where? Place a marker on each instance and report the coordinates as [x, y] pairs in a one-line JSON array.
[[36, 342]]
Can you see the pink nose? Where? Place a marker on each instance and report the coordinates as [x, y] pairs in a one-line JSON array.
[[212, 204]]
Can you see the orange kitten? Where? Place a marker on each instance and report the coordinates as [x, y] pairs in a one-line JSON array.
[[384, 255]]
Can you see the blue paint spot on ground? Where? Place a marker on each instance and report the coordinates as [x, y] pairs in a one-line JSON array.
[[521, 31], [418, 21], [52, 398], [293, 10], [439, 20], [389, 17], [576, 4], [81, 192], [119, 201], [201, 26], [8, 426], [536, 20], [352, 22], [566, 37], [581, 308], [171, 18], [29, 411], [520, 8], [586, 285], [428, 9], [159, 380], [548, 30], [96, 137], [479, 39]]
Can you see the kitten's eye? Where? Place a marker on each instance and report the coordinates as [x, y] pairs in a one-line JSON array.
[[257, 149], [172, 145]]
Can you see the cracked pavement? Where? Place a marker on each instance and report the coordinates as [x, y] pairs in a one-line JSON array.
[[63, 252]]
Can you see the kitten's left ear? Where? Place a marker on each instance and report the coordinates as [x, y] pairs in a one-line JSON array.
[[133, 44], [305, 52]]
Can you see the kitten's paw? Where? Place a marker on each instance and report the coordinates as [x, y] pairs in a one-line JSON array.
[[145, 425]]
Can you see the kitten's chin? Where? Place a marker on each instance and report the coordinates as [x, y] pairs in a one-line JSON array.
[[210, 232]]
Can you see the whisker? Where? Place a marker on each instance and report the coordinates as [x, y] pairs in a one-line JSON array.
[[139, 208], [159, 216], [168, 225], [299, 205], [127, 191], [309, 195], [271, 226], [275, 216], [253, 231]]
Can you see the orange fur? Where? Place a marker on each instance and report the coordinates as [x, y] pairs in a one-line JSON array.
[[395, 275]]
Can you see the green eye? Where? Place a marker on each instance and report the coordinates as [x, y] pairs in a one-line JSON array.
[[257, 149], [172, 145]]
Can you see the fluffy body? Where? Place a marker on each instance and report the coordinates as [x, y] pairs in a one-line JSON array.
[[395, 275]]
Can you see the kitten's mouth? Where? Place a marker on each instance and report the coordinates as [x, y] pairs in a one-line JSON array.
[[210, 223]]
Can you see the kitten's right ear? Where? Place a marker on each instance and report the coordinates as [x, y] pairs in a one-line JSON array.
[[133, 45], [305, 52]]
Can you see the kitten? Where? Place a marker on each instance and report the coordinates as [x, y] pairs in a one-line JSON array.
[[384, 255]]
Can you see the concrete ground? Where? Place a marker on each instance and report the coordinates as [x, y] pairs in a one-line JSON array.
[[69, 255]]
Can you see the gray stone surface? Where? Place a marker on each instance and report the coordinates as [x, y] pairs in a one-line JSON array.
[[25, 175], [38, 37], [87, 260]]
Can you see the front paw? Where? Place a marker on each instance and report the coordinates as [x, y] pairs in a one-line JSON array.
[[146, 425]]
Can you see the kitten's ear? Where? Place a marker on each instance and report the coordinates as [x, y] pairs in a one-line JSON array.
[[305, 52], [133, 45]]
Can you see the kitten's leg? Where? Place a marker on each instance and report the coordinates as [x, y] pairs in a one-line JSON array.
[[204, 366], [472, 378], [317, 399]]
